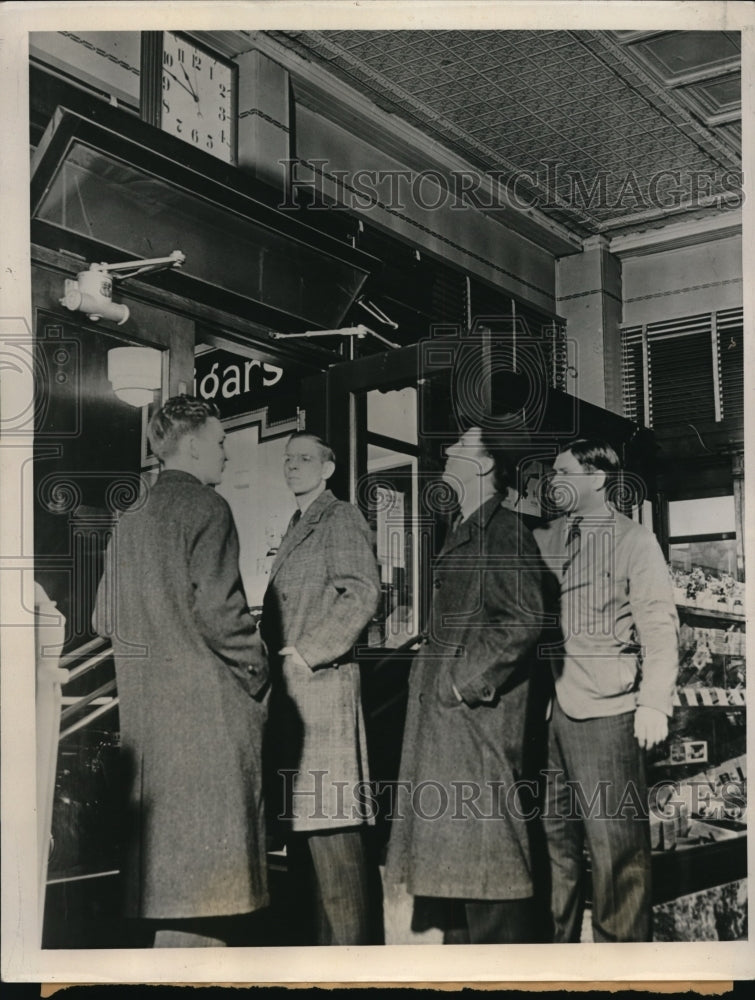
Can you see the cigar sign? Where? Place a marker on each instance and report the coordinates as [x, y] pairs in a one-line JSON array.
[[239, 385]]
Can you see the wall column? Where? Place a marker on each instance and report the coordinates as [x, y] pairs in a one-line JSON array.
[[588, 296], [263, 118]]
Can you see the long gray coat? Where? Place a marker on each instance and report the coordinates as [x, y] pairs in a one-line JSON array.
[[190, 669], [486, 614], [323, 590]]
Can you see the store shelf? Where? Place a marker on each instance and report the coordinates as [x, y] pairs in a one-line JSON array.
[[707, 697], [697, 867], [730, 616]]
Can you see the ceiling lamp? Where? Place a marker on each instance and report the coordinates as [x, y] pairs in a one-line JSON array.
[[135, 373]]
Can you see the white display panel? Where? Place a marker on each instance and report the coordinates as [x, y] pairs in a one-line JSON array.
[[261, 503]]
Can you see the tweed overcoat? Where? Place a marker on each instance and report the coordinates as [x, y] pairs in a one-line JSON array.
[[191, 674], [457, 829], [323, 590]]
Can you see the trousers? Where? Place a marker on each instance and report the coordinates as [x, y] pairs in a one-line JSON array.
[[503, 921], [596, 791], [202, 932], [331, 868]]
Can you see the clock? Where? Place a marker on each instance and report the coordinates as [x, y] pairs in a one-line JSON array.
[[190, 92]]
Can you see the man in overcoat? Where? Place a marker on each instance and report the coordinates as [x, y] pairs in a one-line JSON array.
[[192, 679], [323, 590], [613, 697], [459, 837]]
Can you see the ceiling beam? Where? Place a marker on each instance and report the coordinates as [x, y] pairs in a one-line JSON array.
[[326, 94], [677, 235]]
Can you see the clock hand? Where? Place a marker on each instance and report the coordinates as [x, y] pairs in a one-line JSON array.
[[181, 83], [193, 89], [199, 105]]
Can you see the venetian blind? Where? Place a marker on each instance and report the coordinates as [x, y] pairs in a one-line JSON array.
[[529, 331], [685, 370], [731, 363]]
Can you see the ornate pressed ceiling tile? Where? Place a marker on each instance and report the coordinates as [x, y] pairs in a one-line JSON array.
[[580, 112]]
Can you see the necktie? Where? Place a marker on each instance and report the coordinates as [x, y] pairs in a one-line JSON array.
[[295, 518], [573, 542]]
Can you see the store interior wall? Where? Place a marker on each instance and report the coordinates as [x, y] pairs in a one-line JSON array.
[[684, 282], [464, 236], [261, 504]]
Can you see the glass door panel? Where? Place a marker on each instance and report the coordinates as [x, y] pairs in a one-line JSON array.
[[387, 495], [260, 501]]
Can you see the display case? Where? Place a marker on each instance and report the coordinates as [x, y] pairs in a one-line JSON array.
[[698, 776]]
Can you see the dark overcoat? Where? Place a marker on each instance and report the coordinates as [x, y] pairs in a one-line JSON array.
[[324, 589], [191, 674], [458, 829]]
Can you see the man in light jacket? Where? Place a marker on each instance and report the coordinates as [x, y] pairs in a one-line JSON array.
[[192, 678], [324, 588], [613, 690]]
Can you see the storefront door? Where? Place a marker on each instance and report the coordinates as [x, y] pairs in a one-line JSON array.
[[387, 422]]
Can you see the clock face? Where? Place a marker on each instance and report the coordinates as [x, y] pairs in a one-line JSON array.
[[198, 97]]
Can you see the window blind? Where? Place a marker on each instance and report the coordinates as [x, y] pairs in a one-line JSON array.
[[527, 331], [685, 370], [633, 379], [729, 329]]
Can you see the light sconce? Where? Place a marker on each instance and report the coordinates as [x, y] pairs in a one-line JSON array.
[[135, 373]]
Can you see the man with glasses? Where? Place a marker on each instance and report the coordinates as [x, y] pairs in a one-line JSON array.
[[613, 690], [323, 590]]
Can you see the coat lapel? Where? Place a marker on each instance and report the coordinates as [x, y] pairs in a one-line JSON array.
[[457, 537], [302, 530], [472, 527], [551, 538]]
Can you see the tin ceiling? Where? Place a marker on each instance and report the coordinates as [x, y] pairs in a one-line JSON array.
[[649, 122]]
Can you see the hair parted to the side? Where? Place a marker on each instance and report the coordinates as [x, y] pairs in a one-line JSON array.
[[179, 416], [504, 463], [595, 455], [326, 452]]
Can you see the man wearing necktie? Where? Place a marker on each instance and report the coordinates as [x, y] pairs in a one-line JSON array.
[[324, 588], [613, 690], [460, 839]]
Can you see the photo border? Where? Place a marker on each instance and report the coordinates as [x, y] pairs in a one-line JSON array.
[[22, 959]]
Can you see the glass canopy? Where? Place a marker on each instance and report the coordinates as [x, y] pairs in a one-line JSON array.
[[233, 243]]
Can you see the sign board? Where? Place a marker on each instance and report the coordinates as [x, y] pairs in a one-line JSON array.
[[240, 386]]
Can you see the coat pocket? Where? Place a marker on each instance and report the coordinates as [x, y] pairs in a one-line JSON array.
[[444, 688], [615, 676]]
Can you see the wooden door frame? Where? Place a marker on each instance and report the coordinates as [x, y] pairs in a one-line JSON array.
[[327, 397]]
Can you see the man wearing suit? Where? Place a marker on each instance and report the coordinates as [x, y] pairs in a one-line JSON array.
[[612, 700], [459, 838], [324, 589], [192, 676]]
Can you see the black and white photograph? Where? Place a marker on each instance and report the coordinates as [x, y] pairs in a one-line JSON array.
[[374, 542]]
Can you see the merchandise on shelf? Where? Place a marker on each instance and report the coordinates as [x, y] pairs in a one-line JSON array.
[[706, 807], [705, 591], [711, 657]]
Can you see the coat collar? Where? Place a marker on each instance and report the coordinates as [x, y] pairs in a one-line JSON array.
[[552, 535], [474, 524], [311, 516], [177, 477], [318, 507]]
